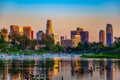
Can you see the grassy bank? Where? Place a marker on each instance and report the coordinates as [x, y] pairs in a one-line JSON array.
[[116, 56]]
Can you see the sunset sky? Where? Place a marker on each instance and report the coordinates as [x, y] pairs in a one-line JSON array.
[[66, 15]]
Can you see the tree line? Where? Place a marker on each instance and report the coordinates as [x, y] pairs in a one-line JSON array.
[[96, 47], [17, 43]]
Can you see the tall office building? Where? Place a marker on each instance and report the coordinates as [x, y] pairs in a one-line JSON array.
[[32, 34], [67, 43], [84, 37], [109, 35], [55, 37], [14, 29], [49, 28], [76, 32], [76, 40], [39, 35], [79, 30], [73, 33], [61, 39], [21, 30], [27, 31], [102, 36]]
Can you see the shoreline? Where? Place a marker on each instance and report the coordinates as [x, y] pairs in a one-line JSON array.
[[44, 56]]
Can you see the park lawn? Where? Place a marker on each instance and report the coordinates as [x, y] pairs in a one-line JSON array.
[[101, 55]]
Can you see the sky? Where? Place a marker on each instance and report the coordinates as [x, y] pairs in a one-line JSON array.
[[66, 15]]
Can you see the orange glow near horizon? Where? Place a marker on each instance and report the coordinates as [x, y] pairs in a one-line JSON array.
[[63, 26]]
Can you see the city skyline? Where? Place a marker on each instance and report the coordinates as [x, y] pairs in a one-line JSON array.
[[65, 15], [48, 31]]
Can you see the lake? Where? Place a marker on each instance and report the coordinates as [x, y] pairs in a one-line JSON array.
[[59, 68]]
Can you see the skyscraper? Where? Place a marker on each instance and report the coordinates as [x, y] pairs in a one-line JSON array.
[[102, 36], [39, 35], [67, 43], [73, 33], [55, 37], [32, 34], [109, 34], [76, 32], [21, 30], [76, 40], [49, 28], [62, 39], [79, 30], [14, 29], [84, 37], [27, 31]]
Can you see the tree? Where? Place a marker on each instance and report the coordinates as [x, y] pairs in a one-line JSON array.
[[117, 47], [3, 33], [47, 39], [33, 43], [80, 47]]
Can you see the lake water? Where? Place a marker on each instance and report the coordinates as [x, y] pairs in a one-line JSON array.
[[59, 68]]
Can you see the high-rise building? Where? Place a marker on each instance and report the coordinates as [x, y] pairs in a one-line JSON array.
[[73, 33], [109, 35], [32, 35], [79, 30], [76, 32], [67, 43], [14, 29], [102, 36], [27, 31], [61, 39], [84, 37], [21, 30], [55, 37], [76, 40], [49, 28], [39, 35]]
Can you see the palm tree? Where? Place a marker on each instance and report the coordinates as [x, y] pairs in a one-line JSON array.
[[3, 33]]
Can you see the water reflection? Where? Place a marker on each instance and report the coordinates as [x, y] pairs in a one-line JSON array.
[[60, 69]]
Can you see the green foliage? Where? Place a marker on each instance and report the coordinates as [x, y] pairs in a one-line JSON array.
[[117, 47], [1, 63], [89, 47], [101, 56], [47, 39], [53, 48], [3, 33], [80, 47], [18, 43]]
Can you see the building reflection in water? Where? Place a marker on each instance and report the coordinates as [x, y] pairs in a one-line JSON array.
[[109, 70], [102, 65], [58, 69], [56, 66]]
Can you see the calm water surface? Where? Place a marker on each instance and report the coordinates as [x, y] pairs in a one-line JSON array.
[[60, 69]]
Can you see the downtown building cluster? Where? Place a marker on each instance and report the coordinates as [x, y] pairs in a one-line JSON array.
[[81, 36], [76, 36], [109, 35], [28, 32], [25, 30], [49, 32]]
